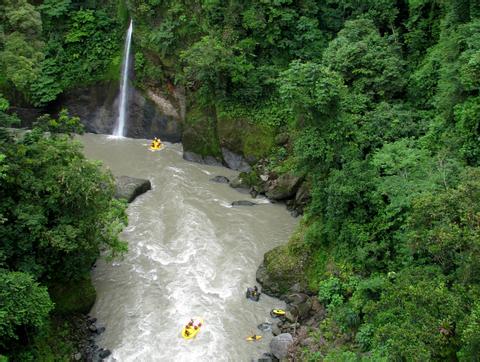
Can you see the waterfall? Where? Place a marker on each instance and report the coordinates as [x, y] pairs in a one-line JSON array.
[[123, 104]]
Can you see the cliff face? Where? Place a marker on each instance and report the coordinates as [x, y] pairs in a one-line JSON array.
[[150, 114]]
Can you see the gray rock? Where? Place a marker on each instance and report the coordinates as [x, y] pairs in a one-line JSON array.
[[104, 353], [283, 187], [300, 305], [269, 284], [192, 157], [92, 328], [280, 344], [195, 157], [267, 357], [212, 161], [235, 161], [220, 179], [77, 356], [290, 317], [265, 326], [243, 203], [296, 298], [129, 188], [264, 359]]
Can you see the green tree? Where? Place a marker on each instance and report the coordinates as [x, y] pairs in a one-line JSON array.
[[58, 207], [21, 47], [367, 61], [415, 317], [23, 303]]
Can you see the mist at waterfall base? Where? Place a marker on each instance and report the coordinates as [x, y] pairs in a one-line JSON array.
[[191, 254], [119, 130]]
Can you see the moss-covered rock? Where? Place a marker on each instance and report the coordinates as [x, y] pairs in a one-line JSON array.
[[73, 297], [283, 269], [200, 133], [240, 135], [129, 188]]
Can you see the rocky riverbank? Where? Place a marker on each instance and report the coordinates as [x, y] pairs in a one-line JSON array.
[[282, 273], [293, 190], [303, 312], [86, 331]]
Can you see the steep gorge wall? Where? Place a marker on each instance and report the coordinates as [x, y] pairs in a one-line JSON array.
[[150, 114]]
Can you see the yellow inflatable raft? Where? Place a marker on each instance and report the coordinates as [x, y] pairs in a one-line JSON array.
[[156, 147], [277, 312], [189, 332], [253, 338]]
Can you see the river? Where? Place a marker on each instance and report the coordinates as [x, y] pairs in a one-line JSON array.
[[190, 254]]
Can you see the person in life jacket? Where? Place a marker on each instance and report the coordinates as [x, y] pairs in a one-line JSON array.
[[253, 294], [156, 143]]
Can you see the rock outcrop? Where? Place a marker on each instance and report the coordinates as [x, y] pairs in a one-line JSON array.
[[129, 188], [284, 187], [280, 344], [207, 160], [282, 272], [235, 161], [150, 114]]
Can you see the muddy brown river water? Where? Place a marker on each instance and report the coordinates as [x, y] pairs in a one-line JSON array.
[[190, 254]]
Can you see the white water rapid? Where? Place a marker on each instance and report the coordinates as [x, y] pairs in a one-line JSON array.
[[190, 254], [123, 104]]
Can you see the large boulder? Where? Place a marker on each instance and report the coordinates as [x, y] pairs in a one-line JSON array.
[[235, 161], [282, 271], [280, 344], [284, 187], [300, 305], [129, 188], [207, 160]]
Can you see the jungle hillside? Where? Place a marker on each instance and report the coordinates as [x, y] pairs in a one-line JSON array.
[[374, 103]]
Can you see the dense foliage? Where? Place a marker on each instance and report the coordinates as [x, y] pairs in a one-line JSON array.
[[57, 212], [59, 44], [381, 102], [379, 98]]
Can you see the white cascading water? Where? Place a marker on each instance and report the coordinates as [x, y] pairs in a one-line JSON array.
[[123, 105]]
